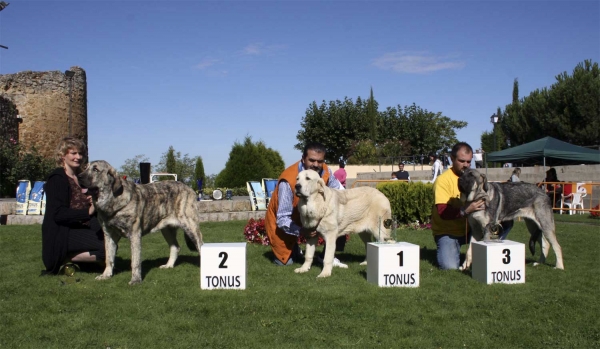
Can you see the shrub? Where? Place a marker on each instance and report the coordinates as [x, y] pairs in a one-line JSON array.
[[595, 214], [410, 201], [16, 164], [255, 232]]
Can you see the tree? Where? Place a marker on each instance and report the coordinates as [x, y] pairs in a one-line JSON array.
[[249, 161], [429, 132], [131, 167], [198, 173], [372, 117], [343, 126], [273, 158], [337, 124], [172, 162], [568, 110]]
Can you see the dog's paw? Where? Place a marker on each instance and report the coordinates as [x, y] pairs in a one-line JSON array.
[[463, 267], [535, 264], [166, 266], [324, 274], [135, 282], [301, 270], [363, 263], [103, 277]]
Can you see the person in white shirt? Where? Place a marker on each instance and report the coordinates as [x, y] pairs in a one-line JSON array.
[[436, 168], [478, 157]]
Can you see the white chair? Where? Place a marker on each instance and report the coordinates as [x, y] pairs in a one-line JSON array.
[[572, 201]]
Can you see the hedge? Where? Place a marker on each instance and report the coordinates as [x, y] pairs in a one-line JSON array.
[[410, 201]]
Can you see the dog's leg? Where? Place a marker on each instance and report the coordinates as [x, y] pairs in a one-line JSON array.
[[309, 255], [136, 255], [468, 257], [544, 250], [366, 238], [551, 238], [170, 235], [329, 256], [110, 247], [193, 234], [549, 233]]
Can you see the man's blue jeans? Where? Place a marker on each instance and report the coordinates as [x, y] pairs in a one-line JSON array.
[[448, 247]]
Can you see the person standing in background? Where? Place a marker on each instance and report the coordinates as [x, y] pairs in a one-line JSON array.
[[340, 174], [436, 168]]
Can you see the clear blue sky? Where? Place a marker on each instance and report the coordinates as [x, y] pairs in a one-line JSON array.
[[202, 75]]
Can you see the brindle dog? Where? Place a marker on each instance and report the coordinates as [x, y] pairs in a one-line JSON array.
[[131, 210]]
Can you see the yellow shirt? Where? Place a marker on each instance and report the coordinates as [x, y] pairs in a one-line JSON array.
[[445, 191]]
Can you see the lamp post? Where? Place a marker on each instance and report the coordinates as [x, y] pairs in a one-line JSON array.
[[494, 121], [70, 74]]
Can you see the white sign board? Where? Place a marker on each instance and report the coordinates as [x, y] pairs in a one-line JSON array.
[[393, 265], [498, 262], [223, 266]]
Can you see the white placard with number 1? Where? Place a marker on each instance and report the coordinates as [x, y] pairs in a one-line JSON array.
[[393, 265], [223, 266]]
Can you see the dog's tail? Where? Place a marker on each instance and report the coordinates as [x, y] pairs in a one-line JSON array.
[[533, 239], [190, 244]]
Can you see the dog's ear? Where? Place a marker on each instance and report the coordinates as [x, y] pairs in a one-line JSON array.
[[322, 185], [117, 186], [485, 182]]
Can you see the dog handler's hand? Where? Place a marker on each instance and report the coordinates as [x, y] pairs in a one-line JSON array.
[[92, 209], [474, 206], [308, 233]]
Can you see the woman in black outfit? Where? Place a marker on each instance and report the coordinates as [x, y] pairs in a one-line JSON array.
[[70, 231]]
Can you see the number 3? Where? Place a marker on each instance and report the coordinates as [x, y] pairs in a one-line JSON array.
[[506, 259]]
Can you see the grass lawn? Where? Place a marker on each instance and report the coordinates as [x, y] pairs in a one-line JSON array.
[[553, 309]]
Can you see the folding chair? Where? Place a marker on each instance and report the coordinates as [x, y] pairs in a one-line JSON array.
[[268, 185], [257, 196]]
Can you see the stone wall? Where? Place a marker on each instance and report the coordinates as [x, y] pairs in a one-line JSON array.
[[42, 100]]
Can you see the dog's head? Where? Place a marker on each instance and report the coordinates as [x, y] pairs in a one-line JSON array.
[[99, 176], [309, 183], [472, 185]]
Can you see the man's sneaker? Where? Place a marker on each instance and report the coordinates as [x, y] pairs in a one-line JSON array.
[[336, 262]]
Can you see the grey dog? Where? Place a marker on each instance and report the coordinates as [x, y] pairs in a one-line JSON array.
[[505, 202], [131, 210]]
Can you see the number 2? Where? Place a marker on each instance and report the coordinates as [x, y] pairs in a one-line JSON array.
[[506, 259], [223, 255], [401, 257]]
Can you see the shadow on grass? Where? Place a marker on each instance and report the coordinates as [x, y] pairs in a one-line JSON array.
[[150, 264], [429, 255]]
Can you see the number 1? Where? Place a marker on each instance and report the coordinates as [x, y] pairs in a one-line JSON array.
[[401, 255]]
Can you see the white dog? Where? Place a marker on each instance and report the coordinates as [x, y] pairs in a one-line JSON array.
[[333, 213]]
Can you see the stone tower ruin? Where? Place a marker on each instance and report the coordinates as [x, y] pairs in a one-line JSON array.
[[43, 100]]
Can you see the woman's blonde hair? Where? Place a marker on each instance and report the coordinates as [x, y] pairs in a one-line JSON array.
[[517, 171], [67, 144]]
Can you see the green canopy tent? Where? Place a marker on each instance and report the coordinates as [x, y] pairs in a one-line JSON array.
[[547, 147]]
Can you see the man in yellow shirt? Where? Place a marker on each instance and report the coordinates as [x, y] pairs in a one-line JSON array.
[[449, 221]]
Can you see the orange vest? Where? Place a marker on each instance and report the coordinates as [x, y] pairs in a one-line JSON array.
[[282, 243]]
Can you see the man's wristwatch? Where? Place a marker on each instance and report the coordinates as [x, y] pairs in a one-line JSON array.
[[462, 212]]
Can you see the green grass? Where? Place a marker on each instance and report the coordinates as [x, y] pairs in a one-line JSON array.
[[553, 309], [577, 218]]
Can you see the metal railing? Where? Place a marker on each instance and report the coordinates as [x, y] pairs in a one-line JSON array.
[[590, 196]]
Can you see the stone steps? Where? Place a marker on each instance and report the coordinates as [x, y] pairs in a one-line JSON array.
[[210, 211]]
